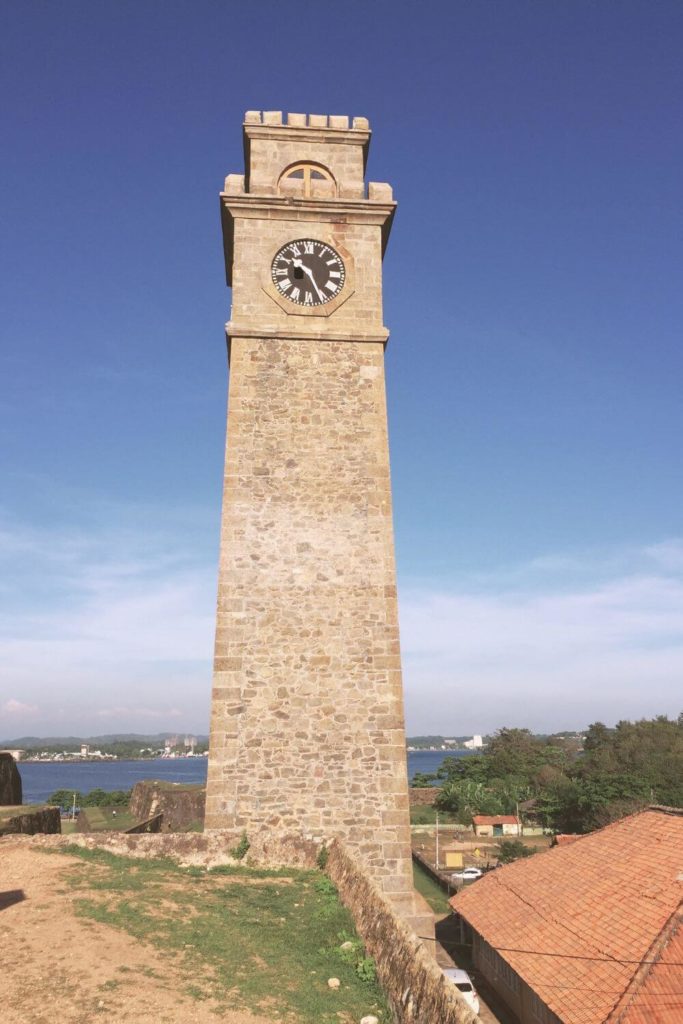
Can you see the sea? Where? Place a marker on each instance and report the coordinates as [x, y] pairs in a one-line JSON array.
[[41, 778]]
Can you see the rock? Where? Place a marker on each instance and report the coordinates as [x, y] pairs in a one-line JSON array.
[[346, 945], [370, 1019], [333, 982], [10, 781]]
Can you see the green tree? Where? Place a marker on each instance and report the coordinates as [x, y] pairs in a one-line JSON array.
[[423, 780], [64, 798], [513, 849]]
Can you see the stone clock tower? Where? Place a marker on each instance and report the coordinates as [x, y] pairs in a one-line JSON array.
[[307, 733]]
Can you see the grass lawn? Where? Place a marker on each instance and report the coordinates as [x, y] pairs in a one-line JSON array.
[[424, 815], [14, 810], [108, 819], [265, 940], [433, 893]]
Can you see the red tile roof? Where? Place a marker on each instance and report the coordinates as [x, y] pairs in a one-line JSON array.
[[494, 819], [581, 923], [564, 838]]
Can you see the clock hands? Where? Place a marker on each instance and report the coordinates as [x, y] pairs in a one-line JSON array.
[[309, 273]]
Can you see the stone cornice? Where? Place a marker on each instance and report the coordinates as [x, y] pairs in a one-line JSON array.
[[288, 208], [304, 332]]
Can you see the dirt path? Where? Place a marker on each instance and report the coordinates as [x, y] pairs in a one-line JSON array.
[[55, 966]]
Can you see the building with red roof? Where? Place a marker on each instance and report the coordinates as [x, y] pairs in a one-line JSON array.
[[588, 932], [495, 825]]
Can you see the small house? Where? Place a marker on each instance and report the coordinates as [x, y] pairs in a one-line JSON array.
[[496, 825]]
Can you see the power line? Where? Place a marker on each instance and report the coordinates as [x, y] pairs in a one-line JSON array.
[[592, 959]]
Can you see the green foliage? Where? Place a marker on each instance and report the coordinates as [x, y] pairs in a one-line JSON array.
[[325, 887], [436, 897], [352, 952], [95, 798], [240, 851], [65, 798], [322, 858], [366, 970], [423, 780], [423, 814], [619, 771], [513, 849]]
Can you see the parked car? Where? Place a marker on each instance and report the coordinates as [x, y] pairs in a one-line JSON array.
[[463, 983], [467, 875]]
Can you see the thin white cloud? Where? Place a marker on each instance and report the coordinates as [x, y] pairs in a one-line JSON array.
[[139, 712], [542, 655], [117, 625], [16, 707], [121, 612]]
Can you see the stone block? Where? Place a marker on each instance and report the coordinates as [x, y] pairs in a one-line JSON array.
[[338, 121], [234, 184], [361, 123], [380, 192], [317, 120], [296, 120], [272, 117], [252, 117]]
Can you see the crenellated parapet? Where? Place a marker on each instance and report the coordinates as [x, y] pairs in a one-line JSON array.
[[306, 156], [337, 122]]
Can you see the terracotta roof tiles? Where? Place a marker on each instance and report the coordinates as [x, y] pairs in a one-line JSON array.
[[577, 921], [494, 819]]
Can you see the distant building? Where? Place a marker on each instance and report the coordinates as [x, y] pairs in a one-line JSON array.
[[85, 749], [476, 743], [496, 825], [588, 932]]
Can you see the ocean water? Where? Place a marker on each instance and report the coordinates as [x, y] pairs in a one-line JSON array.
[[41, 778]]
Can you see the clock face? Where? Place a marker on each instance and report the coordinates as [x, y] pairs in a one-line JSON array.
[[308, 272]]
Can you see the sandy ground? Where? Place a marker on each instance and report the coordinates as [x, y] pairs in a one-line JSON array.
[[57, 967]]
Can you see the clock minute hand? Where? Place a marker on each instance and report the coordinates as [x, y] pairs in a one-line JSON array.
[[309, 273]]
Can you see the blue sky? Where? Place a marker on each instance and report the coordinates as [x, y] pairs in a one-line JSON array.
[[533, 292]]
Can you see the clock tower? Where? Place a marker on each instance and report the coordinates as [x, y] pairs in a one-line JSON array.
[[307, 731]]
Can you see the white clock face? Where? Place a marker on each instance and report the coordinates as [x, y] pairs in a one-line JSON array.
[[308, 272]]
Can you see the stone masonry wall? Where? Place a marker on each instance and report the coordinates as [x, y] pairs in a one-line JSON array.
[[412, 980], [181, 805], [307, 729]]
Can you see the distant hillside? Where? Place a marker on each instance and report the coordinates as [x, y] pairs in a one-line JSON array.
[[69, 742]]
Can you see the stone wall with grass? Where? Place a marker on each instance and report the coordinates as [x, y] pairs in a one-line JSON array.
[[30, 820], [181, 804], [413, 982]]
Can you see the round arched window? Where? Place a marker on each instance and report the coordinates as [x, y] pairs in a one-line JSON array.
[[308, 180]]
